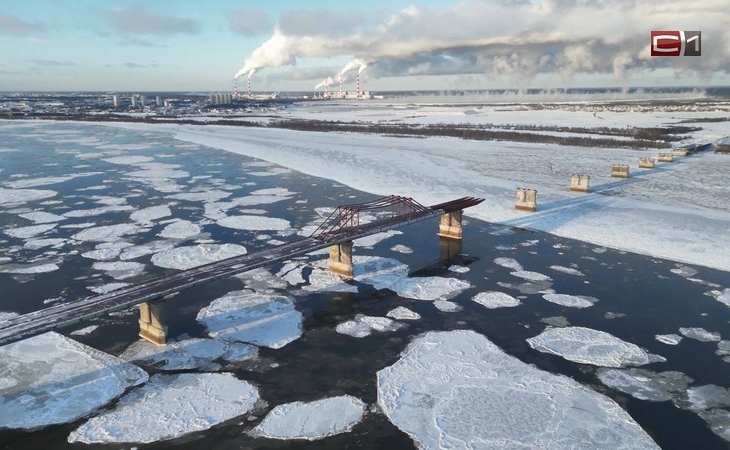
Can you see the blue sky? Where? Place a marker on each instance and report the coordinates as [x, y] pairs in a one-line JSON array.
[[191, 45]]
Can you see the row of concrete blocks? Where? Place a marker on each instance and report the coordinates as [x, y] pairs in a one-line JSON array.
[[527, 198]]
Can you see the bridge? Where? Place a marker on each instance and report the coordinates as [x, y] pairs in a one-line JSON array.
[[337, 232]]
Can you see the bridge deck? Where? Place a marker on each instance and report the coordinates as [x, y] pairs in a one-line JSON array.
[[30, 324]]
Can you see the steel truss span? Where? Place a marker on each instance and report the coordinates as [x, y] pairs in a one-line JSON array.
[[342, 226]]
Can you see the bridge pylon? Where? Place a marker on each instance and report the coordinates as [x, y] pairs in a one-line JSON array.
[[151, 322], [341, 259], [450, 235]]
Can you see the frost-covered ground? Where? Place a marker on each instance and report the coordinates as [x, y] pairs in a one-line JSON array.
[[295, 354]]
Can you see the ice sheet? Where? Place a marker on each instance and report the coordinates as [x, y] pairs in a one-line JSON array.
[[187, 354], [254, 223], [403, 313], [644, 384], [571, 301], [475, 402], [193, 256], [700, 334], [495, 299]]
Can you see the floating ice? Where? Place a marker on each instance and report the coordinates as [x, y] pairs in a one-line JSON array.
[[277, 191], [193, 256], [84, 331], [494, 299], [4, 316], [556, 321], [120, 270], [374, 239], [699, 334], [50, 379], [265, 320], [291, 273], [570, 301], [447, 306], [721, 296], [106, 251], [212, 195], [170, 406], [13, 196], [458, 269], [42, 181], [684, 271], [644, 384], [261, 280], [322, 280], [42, 217], [403, 313], [484, 398], [313, 420], [97, 211], [532, 276], [429, 288], [254, 223], [362, 326], [588, 346], [509, 263], [400, 248], [29, 231], [36, 244], [568, 270], [136, 159], [28, 268], [106, 233], [705, 397], [137, 251], [103, 289], [182, 229], [378, 272], [187, 354], [147, 215], [719, 421], [669, 339], [158, 174]]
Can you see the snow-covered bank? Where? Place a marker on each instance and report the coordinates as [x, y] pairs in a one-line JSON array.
[[675, 211]]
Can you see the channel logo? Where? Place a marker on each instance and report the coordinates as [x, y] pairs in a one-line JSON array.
[[676, 43]]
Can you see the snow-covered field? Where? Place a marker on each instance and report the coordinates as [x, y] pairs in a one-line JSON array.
[[678, 211], [451, 388]]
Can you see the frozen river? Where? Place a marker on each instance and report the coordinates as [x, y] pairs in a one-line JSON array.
[[619, 349]]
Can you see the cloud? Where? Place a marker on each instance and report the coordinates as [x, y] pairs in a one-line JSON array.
[[142, 20], [131, 65], [249, 21], [513, 40], [52, 63], [12, 26]]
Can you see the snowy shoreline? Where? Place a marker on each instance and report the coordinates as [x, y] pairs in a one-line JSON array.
[[668, 213]]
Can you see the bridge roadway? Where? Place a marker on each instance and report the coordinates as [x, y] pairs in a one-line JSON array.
[[61, 315]]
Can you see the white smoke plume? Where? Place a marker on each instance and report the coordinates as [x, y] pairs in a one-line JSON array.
[[517, 40], [324, 83]]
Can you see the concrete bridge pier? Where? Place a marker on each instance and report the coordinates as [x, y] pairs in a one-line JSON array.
[[450, 235], [151, 322], [341, 259]]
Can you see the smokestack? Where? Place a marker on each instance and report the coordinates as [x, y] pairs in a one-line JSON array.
[[235, 88], [342, 90], [358, 85], [248, 83]]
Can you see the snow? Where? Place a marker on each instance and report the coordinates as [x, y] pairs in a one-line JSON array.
[[264, 320], [50, 379], [495, 299], [570, 301], [170, 406], [193, 256], [665, 213], [312, 420], [181, 229], [474, 401], [588, 346], [254, 223]]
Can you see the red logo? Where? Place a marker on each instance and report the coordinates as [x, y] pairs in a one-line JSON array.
[[676, 43]]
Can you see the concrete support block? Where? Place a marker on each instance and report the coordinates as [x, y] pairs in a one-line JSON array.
[[646, 163], [526, 200], [580, 183], [151, 323], [620, 171], [666, 157], [679, 152], [450, 225], [341, 259]]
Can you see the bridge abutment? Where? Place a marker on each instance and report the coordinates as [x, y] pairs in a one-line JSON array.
[[450, 225], [341, 259], [151, 322]]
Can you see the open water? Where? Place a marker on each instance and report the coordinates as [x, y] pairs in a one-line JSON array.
[[89, 166]]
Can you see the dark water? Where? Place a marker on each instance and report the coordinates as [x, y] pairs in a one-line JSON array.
[[641, 293]]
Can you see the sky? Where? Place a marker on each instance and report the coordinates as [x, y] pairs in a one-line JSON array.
[[308, 45]]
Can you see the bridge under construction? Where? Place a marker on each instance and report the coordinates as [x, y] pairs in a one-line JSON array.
[[337, 232]]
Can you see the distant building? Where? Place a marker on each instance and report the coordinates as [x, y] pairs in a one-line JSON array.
[[142, 101], [134, 100], [158, 101], [115, 101]]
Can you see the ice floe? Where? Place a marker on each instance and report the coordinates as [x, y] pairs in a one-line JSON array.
[[568, 270], [699, 334], [36, 244], [101, 210], [495, 299], [120, 270], [705, 397], [374, 239], [212, 195], [28, 269], [447, 306], [137, 251], [400, 248], [403, 313], [684, 271], [106, 251], [531, 276], [50, 379], [264, 320], [29, 231], [42, 217], [571, 301], [589, 346], [254, 223], [106, 233], [170, 406], [312, 420], [429, 288], [146, 216], [509, 263], [669, 339], [484, 398], [721, 296], [363, 325], [644, 384], [458, 269], [193, 256], [15, 196], [187, 354]]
